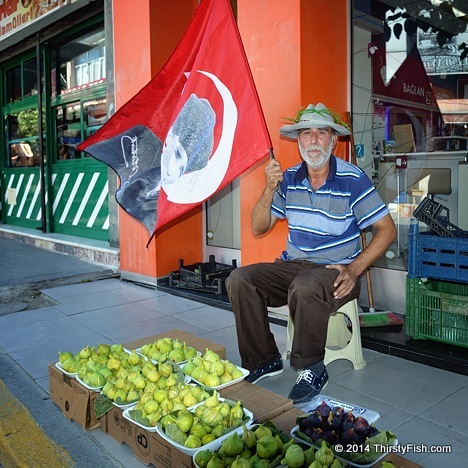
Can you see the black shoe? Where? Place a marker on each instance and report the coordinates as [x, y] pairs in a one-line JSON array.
[[275, 368], [307, 386]]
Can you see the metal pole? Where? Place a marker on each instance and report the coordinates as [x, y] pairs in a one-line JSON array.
[[41, 137]]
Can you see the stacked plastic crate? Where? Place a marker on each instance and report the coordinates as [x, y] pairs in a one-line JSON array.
[[437, 281]]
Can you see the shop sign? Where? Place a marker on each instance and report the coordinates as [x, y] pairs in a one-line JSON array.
[[401, 162], [444, 64], [15, 15]]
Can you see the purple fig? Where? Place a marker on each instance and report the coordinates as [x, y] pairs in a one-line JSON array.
[[361, 426], [329, 436], [372, 431], [313, 420], [323, 409], [335, 421], [350, 437], [348, 420], [338, 411], [315, 433]]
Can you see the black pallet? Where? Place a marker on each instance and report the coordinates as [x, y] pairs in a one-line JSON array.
[[207, 277], [437, 217]]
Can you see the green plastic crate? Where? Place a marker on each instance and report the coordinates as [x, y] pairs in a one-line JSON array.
[[437, 310]]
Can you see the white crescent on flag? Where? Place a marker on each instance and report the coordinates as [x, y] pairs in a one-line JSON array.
[[197, 186]]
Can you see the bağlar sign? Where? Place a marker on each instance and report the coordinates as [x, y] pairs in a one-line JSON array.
[[17, 14]]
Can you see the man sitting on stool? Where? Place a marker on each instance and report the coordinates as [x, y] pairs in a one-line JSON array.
[[326, 202]]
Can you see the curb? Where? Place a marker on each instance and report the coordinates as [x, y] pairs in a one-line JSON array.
[[22, 441]]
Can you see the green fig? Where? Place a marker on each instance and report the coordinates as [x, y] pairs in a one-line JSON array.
[[85, 353], [237, 411], [134, 358], [224, 409], [267, 447], [233, 445], [188, 367], [202, 458], [70, 364], [165, 369], [151, 406], [193, 441], [211, 356], [103, 349], [184, 420], [65, 355], [133, 395], [189, 400], [248, 437], [262, 431], [217, 368], [213, 400], [309, 456], [294, 456], [114, 363], [236, 374], [140, 382], [215, 462], [176, 355], [207, 438], [153, 376], [189, 352], [211, 417], [324, 455], [261, 463], [212, 380], [120, 396], [111, 392], [219, 430], [240, 463]]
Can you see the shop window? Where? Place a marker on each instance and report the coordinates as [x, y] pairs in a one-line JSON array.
[[23, 142], [75, 122], [30, 78], [13, 85], [410, 107], [79, 63], [21, 81]]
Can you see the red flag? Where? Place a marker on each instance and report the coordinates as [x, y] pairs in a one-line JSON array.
[[192, 130]]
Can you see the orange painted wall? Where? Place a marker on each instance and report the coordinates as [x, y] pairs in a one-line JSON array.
[[297, 51], [141, 47], [298, 55]]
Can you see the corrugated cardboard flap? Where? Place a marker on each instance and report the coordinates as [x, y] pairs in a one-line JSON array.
[[263, 403]]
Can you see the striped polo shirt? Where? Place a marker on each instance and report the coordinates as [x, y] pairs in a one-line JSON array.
[[324, 226]]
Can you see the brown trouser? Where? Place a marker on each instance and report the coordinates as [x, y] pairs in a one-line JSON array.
[[308, 290]]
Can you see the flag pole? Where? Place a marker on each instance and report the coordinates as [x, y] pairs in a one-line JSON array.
[[150, 239], [272, 156]]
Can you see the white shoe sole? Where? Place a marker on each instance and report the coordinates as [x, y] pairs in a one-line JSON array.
[[270, 374]]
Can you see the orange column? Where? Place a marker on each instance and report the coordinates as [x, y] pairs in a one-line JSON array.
[[145, 34], [298, 53]]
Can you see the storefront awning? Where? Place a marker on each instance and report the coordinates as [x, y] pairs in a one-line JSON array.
[[454, 111]]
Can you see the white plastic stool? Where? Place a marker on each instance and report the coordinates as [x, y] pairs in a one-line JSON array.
[[341, 343]]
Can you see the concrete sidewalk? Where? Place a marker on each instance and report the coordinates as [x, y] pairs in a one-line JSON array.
[[25, 269], [33, 430], [419, 403]]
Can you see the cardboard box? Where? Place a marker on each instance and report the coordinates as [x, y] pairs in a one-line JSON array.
[[199, 344], [263, 403], [286, 421], [148, 447], [399, 461], [75, 401]]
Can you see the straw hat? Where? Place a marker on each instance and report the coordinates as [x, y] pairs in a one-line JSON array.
[[314, 117]]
